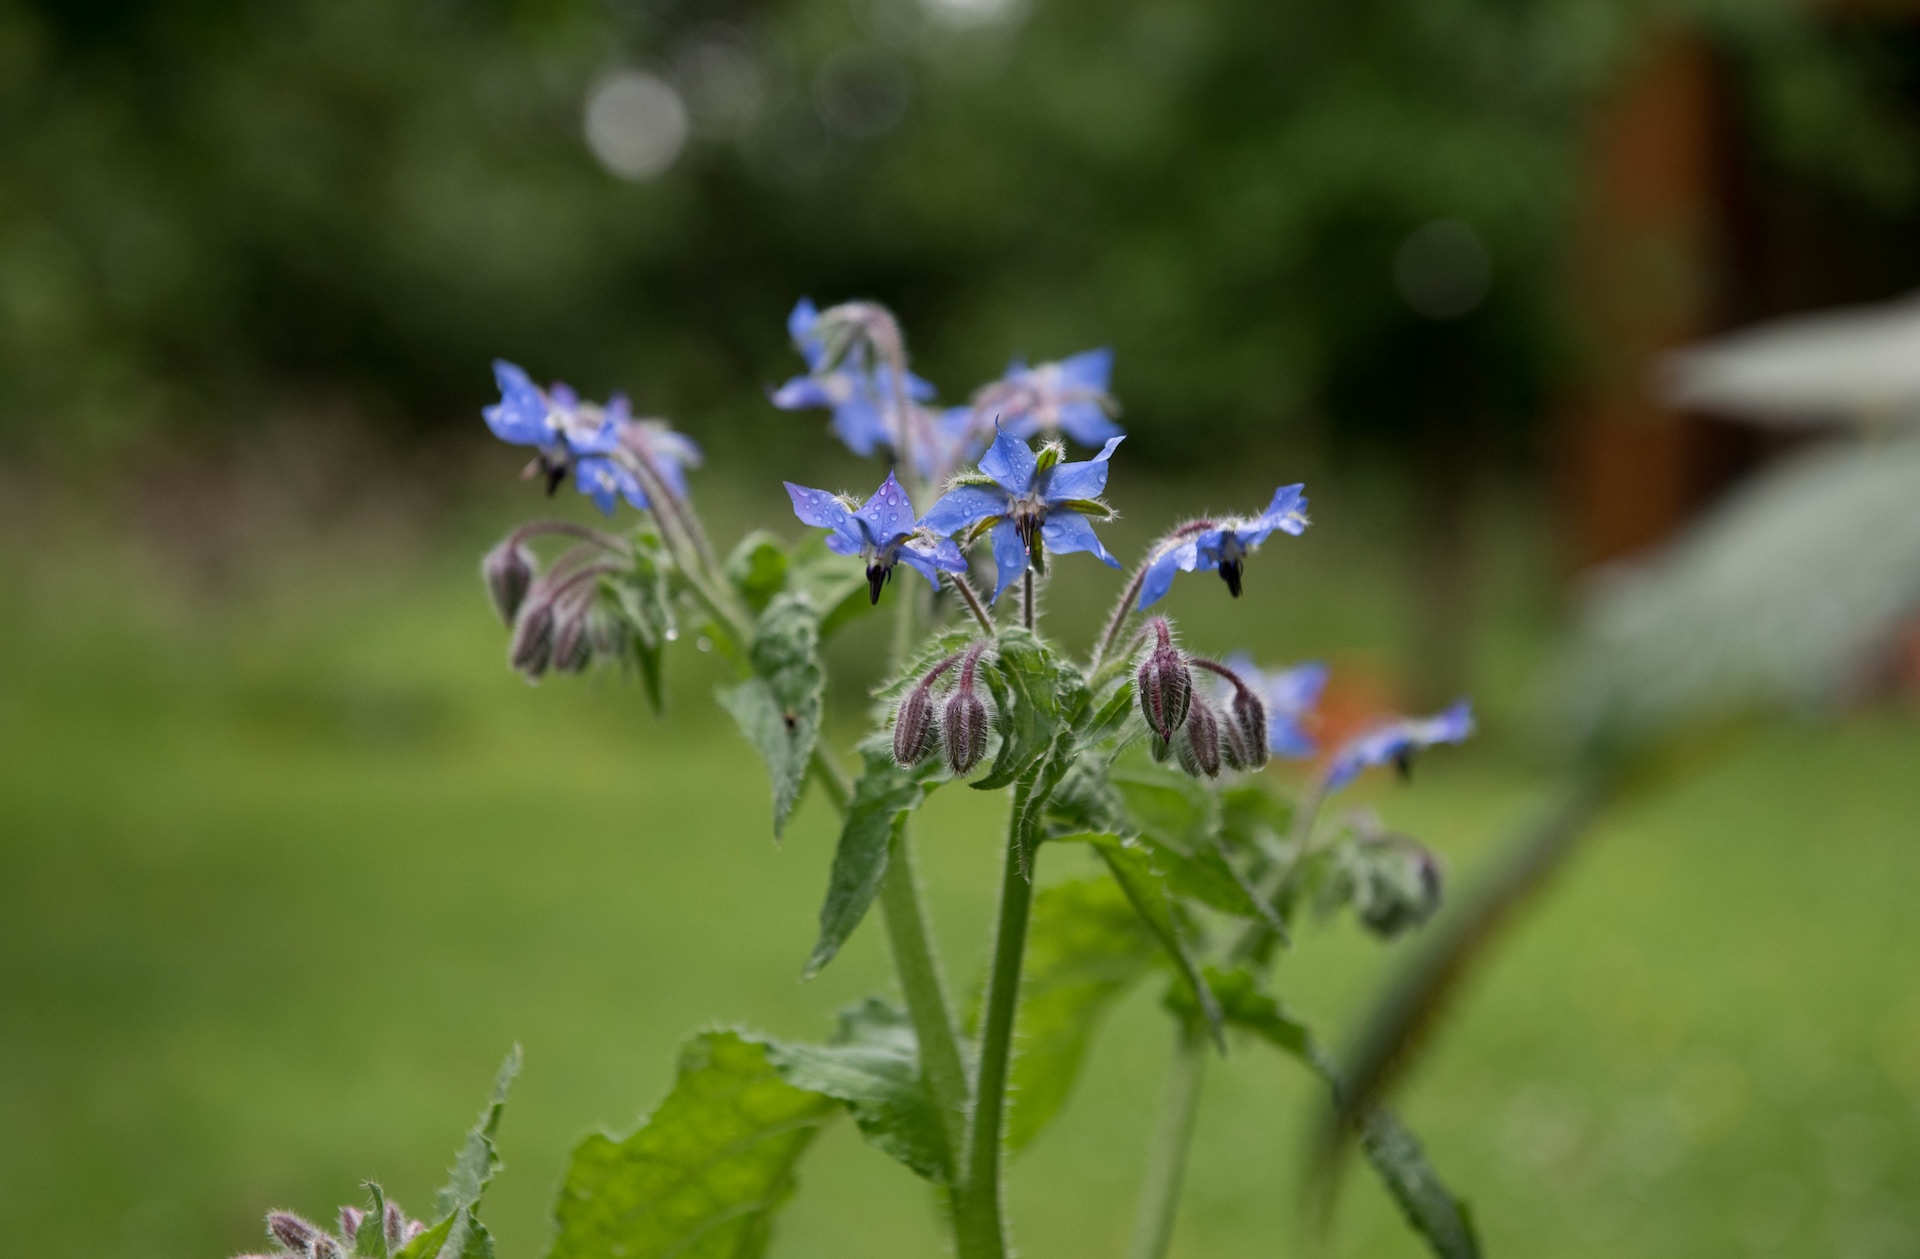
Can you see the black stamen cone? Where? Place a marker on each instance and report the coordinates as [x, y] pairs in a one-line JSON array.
[[1230, 571], [878, 575], [1403, 762], [555, 472]]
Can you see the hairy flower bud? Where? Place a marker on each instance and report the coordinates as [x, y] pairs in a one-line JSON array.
[[292, 1232], [1246, 729], [530, 650], [572, 642], [913, 729], [508, 570], [325, 1247], [396, 1226], [350, 1220], [1161, 750], [1165, 687], [963, 729], [1199, 743]]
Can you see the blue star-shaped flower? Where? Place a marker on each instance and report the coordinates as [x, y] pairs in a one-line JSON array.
[[860, 396], [1068, 397], [1224, 546], [1291, 696], [881, 531], [1396, 742], [553, 423], [1032, 499]]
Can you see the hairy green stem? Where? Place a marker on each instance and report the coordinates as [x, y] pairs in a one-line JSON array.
[[910, 939], [978, 1226], [1172, 1136], [971, 597], [918, 970], [1026, 598], [1123, 608]]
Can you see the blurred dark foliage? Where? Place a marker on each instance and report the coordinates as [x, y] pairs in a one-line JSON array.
[[213, 212]]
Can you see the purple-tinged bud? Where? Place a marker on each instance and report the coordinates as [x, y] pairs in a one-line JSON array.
[[414, 1229], [1164, 684], [1246, 730], [572, 640], [508, 570], [324, 1247], [292, 1232], [1159, 749], [964, 722], [913, 728], [1199, 743], [396, 1226], [963, 730], [531, 648], [350, 1221]]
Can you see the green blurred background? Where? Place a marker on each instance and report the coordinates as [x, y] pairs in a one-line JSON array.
[[288, 858]]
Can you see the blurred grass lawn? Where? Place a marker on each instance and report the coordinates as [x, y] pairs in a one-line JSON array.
[[279, 885]]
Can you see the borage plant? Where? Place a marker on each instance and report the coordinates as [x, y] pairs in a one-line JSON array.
[[1140, 753]]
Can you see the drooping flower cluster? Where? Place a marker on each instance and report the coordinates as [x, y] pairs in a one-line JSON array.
[[856, 369]]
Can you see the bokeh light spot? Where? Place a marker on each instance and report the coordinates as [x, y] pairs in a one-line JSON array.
[[635, 124]]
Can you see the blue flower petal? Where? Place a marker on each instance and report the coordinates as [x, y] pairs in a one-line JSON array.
[[1087, 479], [889, 512], [520, 417], [606, 482], [1088, 424], [802, 393], [1159, 578], [963, 506], [1089, 369], [1009, 557], [1011, 464], [800, 323], [858, 424], [930, 559], [1397, 739], [818, 508], [1286, 738], [1287, 513], [1068, 531]]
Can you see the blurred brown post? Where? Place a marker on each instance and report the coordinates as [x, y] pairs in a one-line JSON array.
[[1645, 261]]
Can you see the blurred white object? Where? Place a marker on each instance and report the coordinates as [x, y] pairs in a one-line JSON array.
[[635, 123], [1858, 365]]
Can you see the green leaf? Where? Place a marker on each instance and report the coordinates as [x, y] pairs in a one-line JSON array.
[[758, 568], [1022, 675], [1085, 949], [701, 1177], [370, 1241], [1153, 901], [1205, 878], [429, 1244], [1393, 1151], [873, 1067], [645, 599], [1167, 805], [1252, 818], [882, 797], [473, 1170], [778, 708]]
